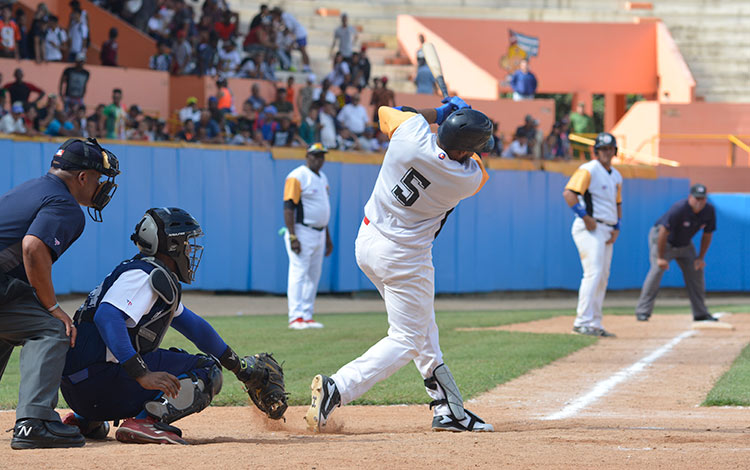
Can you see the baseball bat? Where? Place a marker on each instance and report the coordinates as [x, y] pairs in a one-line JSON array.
[[433, 62]]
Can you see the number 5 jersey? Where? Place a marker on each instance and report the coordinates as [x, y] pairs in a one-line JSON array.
[[418, 184]]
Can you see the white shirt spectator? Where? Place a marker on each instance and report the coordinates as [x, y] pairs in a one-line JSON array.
[[337, 76], [330, 96], [293, 25], [328, 130], [190, 113], [53, 43], [516, 149], [248, 69], [346, 36], [157, 25], [230, 61], [78, 34], [11, 125], [354, 117]]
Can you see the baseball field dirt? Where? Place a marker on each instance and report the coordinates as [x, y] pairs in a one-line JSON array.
[[626, 402]]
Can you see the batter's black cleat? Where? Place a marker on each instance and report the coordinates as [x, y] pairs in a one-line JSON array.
[[90, 429], [33, 433], [586, 330], [324, 398], [471, 422], [606, 334], [642, 317]]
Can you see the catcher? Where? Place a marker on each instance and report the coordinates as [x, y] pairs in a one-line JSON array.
[[117, 370]]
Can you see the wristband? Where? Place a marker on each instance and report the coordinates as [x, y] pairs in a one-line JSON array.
[[53, 308], [292, 237], [579, 210], [229, 360], [135, 367], [617, 225], [442, 113]]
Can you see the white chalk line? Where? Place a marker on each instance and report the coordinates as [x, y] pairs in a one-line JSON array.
[[605, 386]]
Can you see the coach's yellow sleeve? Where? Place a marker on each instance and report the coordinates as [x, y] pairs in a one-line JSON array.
[[391, 118], [485, 175], [579, 182], [292, 190]]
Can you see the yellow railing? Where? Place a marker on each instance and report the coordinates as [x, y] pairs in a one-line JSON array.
[[733, 142], [625, 154]]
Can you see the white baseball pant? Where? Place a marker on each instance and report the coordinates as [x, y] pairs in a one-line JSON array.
[[405, 279], [304, 271], [596, 258]]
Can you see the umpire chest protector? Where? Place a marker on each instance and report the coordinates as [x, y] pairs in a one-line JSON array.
[[147, 334]]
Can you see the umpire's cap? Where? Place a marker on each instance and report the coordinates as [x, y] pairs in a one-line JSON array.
[[605, 139], [317, 147], [466, 129], [76, 154]]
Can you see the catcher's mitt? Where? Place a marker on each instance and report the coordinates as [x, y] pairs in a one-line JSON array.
[[263, 379]]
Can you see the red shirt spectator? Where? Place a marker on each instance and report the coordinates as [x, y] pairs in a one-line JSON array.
[[228, 26], [108, 54]]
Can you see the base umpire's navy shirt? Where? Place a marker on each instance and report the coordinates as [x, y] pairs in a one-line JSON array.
[[682, 223], [42, 207]]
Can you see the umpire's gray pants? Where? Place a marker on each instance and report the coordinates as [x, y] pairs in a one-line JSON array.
[[24, 322], [694, 280]]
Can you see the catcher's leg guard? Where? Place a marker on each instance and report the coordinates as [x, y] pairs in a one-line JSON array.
[[195, 394]]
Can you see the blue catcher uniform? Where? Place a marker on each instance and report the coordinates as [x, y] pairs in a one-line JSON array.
[[117, 369], [92, 367]]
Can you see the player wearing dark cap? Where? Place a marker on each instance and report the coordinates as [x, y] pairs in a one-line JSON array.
[[39, 220], [671, 239]]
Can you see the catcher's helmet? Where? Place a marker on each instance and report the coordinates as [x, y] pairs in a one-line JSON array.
[[466, 129], [605, 139], [173, 232]]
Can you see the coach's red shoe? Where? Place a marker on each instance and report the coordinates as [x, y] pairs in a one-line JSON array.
[[148, 431]]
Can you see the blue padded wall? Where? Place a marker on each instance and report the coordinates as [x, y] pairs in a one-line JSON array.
[[514, 235]]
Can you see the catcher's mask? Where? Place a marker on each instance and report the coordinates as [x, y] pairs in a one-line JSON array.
[[75, 154], [173, 232]]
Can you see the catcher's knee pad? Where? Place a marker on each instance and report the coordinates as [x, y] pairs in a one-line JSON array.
[[442, 377], [195, 394]]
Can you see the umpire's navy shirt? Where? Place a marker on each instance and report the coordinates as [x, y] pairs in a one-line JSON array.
[[42, 207], [682, 223]]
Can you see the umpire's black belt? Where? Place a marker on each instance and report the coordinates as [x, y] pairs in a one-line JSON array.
[[319, 229], [605, 223]]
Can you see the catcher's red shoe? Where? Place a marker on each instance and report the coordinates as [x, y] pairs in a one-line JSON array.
[[148, 431], [90, 429]]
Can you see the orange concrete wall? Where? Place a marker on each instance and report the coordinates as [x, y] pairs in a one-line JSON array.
[[693, 134], [573, 57], [636, 129], [676, 83], [147, 88], [716, 179], [462, 75], [135, 47]]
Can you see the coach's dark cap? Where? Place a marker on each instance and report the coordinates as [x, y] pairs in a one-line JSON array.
[[76, 154], [698, 190]]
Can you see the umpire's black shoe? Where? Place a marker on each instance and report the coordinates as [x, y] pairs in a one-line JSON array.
[[33, 433], [708, 318], [642, 317]]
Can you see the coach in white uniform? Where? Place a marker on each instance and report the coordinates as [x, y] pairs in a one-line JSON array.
[[306, 214], [594, 192], [422, 179]]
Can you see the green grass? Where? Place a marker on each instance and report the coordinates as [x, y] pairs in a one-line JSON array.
[[733, 388], [479, 360]]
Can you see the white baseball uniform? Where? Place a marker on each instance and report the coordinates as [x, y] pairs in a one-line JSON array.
[[309, 193], [418, 186], [600, 191]]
